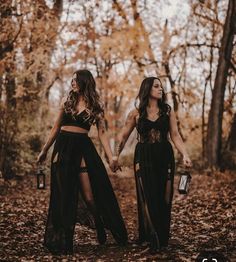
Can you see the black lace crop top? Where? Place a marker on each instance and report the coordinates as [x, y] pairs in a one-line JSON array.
[[154, 131], [83, 120]]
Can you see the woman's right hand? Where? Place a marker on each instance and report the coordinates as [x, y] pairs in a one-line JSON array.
[[187, 161], [41, 157]]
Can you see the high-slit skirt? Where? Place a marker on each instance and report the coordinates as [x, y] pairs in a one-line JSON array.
[[154, 167], [66, 204]]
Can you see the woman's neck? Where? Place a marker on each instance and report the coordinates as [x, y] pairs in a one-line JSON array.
[[81, 102], [152, 104], [80, 99]]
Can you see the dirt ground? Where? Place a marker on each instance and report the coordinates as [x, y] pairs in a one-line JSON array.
[[202, 220]]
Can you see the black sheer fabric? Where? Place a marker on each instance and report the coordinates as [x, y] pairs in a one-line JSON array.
[[154, 167], [80, 192]]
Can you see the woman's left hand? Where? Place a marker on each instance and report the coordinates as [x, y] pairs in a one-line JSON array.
[[187, 161]]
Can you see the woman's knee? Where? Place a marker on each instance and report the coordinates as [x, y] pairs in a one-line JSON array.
[[89, 201]]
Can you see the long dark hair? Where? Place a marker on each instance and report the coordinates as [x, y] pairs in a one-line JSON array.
[[143, 97], [87, 88]]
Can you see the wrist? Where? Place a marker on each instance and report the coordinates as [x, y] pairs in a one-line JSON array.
[[45, 150], [115, 158], [109, 158]]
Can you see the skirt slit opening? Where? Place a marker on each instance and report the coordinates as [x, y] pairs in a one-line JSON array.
[[146, 213], [148, 224]]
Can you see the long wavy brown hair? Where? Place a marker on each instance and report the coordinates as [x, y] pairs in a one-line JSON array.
[[143, 97], [87, 89]]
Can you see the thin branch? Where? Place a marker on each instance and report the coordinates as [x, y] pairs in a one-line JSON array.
[[67, 16], [208, 18], [192, 45], [232, 66], [120, 10], [9, 47], [52, 83]]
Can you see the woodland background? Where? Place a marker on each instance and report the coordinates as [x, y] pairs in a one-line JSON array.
[[189, 44]]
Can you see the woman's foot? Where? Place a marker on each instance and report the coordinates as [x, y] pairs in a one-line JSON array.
[[154, 245], [120, 238], [101, 234], [122, 243], [69, 250], [141, 242]]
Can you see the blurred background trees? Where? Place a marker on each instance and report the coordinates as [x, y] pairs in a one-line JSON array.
[[189, 45]]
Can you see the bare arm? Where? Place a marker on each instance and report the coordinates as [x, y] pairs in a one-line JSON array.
[[126, 131], [51, 138], [54, 132], [102, 134], [177, 140]]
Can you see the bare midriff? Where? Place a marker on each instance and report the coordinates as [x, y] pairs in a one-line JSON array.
[[74, 129]]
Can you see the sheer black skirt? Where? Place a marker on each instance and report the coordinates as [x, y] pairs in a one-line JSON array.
[[66, 203], [154, 167]]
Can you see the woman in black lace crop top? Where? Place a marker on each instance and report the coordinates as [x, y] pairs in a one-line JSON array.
[[154, 162], [80, 188]]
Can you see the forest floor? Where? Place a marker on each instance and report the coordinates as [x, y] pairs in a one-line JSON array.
[[204, 220]]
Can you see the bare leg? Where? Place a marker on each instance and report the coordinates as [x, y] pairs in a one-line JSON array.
[[154, 240], [168, 201], [168, 193], [89, 200]]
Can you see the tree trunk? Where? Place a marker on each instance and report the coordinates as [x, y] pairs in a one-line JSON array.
[[8, 130], [232, 136], [214, 131], [8, 112], [167, 71], [39, 83]]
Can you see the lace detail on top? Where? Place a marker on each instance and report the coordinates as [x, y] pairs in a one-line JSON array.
[[151, 137], [153, 131]]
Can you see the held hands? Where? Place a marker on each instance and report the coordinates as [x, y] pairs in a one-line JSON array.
[[187, 161], [114, 164]]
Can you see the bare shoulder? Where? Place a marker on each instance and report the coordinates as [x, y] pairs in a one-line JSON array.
[[131, 118], [172, 118], [169, 111], [133, 113]]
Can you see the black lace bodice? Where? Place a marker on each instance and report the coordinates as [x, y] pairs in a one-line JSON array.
[[154, 131]]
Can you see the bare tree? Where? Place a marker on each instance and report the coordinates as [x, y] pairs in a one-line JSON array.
[[214, 132]]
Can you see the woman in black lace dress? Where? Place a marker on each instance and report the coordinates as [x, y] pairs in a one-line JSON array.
[[154, 162], [80, 188]]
